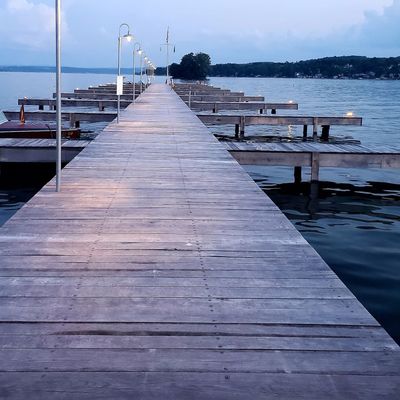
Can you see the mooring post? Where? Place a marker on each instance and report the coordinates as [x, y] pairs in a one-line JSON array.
[[242, 127], [273, 111], [315, 129], [41, 107], [305, 132], [314, 167], [297, 175], [237, 129], [325, 133], [190, 99], [215, 109], [261, 111], [72, 120]]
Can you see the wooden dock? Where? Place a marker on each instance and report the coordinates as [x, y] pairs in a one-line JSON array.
[[162, 271], [38, 150], [74, 118]]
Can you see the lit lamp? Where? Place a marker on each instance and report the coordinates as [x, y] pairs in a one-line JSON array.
[[120, 79], [139, 51]]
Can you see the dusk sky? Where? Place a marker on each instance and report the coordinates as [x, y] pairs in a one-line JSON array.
[[230, 31]]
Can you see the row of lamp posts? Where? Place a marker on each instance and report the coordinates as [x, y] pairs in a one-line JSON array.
[[137, 49]]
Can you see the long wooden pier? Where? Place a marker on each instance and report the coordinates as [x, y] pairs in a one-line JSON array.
[[162, 271]]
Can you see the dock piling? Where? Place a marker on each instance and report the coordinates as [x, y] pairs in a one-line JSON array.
[[315, 167], [315, 129]]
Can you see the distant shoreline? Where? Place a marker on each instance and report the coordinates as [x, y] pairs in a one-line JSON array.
[[342, 68]]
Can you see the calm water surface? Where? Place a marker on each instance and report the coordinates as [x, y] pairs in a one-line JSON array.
[[355, 221]]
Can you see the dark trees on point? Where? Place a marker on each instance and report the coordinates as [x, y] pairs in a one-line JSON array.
[[192, 66]]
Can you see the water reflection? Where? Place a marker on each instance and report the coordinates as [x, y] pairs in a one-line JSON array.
[[356, 229]]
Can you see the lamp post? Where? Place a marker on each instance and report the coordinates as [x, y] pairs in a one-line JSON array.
[[148, 72], [141, 70], [58, 94], [146, 59], [120, 79], [168, 45], [139, 51]]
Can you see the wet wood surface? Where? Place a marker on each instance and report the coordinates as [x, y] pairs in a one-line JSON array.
[[162, 271]]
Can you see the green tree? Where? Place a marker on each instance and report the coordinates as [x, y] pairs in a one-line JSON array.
[[192, 66]]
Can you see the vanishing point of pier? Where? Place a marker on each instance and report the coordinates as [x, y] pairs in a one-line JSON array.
[[162, 271]]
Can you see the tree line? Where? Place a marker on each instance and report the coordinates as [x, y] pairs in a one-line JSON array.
[[198, 66]]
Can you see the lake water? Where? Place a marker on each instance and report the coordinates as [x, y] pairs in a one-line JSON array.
[[355, 222]]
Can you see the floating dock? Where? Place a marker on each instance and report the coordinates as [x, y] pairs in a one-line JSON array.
[[162, 271]]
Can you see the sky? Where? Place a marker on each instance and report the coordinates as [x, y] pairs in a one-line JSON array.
[[230, 31]]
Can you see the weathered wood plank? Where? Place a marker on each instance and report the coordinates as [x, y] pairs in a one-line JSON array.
[[162, 271]]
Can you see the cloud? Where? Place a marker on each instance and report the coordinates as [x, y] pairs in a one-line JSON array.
[[377, 34], [27, 24], [382, 32], [262, 30]]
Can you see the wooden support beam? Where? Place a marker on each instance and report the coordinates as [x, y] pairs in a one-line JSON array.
[[305, 132], [66, 116], [210, 119], [300, 154], [325, 133], [315, 129], [298, 174], [242, 125], [240, 105], [101, 104], [315, 167]]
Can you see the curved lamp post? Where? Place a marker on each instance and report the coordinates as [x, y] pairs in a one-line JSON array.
[[120, 78], [139, 51]]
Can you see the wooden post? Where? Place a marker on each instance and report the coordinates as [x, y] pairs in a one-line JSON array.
[[305, 132], [273, 112], [242, 127], [315, 129], [215, 109], [237, 129], [314, 167], [41, 107], [325, 133], [261, 111], [297, 175], [314, 190]]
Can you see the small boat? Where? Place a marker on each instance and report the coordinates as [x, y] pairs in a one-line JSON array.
[[33, 130]]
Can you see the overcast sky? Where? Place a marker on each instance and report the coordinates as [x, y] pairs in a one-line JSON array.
[[229, 30]]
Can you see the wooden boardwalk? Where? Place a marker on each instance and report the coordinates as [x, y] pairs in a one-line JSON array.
[[163, 272]]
